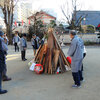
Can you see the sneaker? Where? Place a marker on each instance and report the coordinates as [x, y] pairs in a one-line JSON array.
[[76, 86], [79, 87], [82, 80], [24, 59]]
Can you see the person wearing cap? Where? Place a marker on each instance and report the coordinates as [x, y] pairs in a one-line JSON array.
[[16, 41], [35, 43], [76, 53], [5, 48], [23, 44], [2, 63]]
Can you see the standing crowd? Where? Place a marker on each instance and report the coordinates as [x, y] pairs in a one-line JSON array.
[[76, 51], [19, 43], [22, 44], [3, 66]]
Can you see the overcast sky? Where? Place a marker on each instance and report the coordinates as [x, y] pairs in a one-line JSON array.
[[55, 5]]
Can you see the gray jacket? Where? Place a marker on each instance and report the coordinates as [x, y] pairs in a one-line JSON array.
[[76, 49], [16, 39], [4, 45], [23, 44], [76, 53]]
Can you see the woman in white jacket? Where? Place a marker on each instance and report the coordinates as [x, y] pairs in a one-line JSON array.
[[84, 55]]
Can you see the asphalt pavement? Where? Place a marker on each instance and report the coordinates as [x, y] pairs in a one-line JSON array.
[[27, 85]]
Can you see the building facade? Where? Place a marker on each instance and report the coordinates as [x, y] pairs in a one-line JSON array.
[[89, 17], [22, 12], [43, 16]]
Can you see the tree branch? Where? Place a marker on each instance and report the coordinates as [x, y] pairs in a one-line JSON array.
[[16, 3], [68, 20]]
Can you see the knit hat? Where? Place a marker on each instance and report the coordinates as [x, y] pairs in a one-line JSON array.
[[73, 32], [33, 35], [1, 33], [24, 35]]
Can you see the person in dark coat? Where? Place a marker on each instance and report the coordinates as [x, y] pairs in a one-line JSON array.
[[2, 64], [35, 43], [76, 53], [23, 45], [4, 40]]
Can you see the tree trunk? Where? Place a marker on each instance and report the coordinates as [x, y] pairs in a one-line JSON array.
[[9, 33]]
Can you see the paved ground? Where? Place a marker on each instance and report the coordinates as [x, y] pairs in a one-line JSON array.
[[26, 85]]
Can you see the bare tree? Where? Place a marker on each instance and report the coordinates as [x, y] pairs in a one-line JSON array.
[[7, 7], [71, 13], [65, 11]]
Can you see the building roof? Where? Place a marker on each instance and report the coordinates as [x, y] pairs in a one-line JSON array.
[[91, 17], [42, 13]]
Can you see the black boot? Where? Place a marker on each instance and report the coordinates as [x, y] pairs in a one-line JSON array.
[[7, 79], [3, 91]]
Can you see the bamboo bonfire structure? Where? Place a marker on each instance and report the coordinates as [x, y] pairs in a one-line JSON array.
[[51, 56]]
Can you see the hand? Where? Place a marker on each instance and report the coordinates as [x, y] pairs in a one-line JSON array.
[[24, 48]]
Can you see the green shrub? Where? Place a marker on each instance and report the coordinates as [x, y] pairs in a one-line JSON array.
[[89, 43], [90, 29]]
